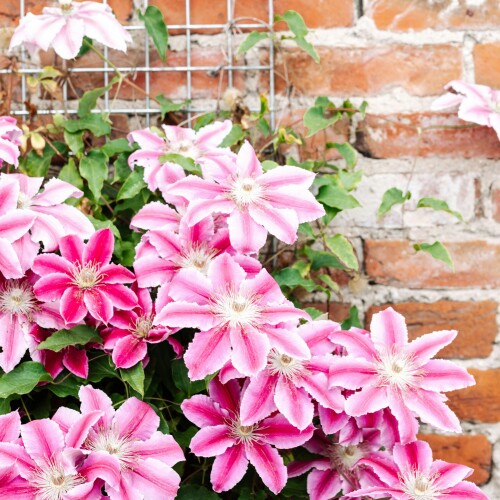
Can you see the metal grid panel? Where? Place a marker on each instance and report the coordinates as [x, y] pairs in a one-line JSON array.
[[146, 107]]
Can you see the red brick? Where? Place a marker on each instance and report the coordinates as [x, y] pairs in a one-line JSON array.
[[495, 199], [404, 15], [481, 402], [472, 450], [396, 136], [350, 72], [487, 64], [320, 13], [471, 341], [395, 262]]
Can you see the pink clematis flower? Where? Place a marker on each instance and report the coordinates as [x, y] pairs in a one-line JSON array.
[[200, 146], [45, 467], [289, 384], [83, 279], [10, 135], [64, 28], [400, 375], [233, 444], [256, 202], [129, 438], [237, 316], [413, 475], [476, 103], [20, 311]]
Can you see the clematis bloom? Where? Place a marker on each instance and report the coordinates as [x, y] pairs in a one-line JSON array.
[[400, 375], [64, 27], [10, 135], [84, 279]]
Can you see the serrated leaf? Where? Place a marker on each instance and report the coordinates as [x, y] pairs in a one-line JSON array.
[[315, 119], [169, 106], [78, 335], [392, 196], [336, 197], [437, 250], [94, 169], [156, 28], [235, 135], [252, 39], [134, 377], [439, 205], [132, 185], [342, 249], [23, 379], [349, 154]]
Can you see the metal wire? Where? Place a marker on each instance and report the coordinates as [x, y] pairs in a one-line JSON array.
[[146, 106]]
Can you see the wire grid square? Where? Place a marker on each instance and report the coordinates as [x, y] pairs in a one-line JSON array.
[[146, 107]]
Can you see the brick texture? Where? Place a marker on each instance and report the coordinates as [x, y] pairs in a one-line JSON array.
[[471, 450], [487, 64], [495, 199], [472, 341], [477, 264]]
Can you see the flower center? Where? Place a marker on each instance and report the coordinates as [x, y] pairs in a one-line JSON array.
[[52, 482], [184, 148], [243, 433], [109, 441], [198, 257], [246, 191], [17, 298], [87, 276], [282, 364], [397, 369], [419, 487], [143, 326], [23, 201], [236, 309], [345, 457], [66, 6]]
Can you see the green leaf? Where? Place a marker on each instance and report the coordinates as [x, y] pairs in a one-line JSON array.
[[74, 142], [436, 204], [292, 278], [349, 154], [78, 335], [195, 492], [342, 249], [336, 197], [294, 21], [88, 101], [327, 280], [101, 367], [94, 169], [132, 186], [67, 386], [252, 39], [96, 123], [308, 48], [181, 379], [134, 377], [186, 163], [320, 259], [393, 196], [86, 46], [313, 312], [116, 146], [156, 28], [235, 135], [169, 106], [350, 180], [315, 119], [437, 250], [306, 229], [352, 320], [269, 165], [23, 379], [35, 165]]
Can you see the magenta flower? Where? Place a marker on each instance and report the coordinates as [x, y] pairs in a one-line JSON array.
[[256, 202], [414, 476], [290, 384], [200, 146], [20, 311], [234, 445], [476, 103], [64, 28], [10, 135], [129, 438], [132, 331], [45, 467], [83, 279], [400, 375], [237, 316]]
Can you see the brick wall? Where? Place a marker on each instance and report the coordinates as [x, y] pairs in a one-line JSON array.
[[396, 54]]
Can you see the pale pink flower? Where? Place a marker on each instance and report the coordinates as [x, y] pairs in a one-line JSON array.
[[10, 140], [45, 467], [290, 385], [20, 311], [129, 438], [256, 202], [201, 147], [237, 316], [234, 445], [64, 28], [413, 475], [400, 375], [476, 103], [84, 279]]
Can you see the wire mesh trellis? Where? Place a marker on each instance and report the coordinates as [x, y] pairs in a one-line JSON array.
[[147, 107]]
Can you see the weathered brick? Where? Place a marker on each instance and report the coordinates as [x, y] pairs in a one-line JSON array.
[[421, 71], [472, 450], [395, 262], [404, 15], [395, 136], [495, 199], [481, 402], [487, 64], [475, 322]]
